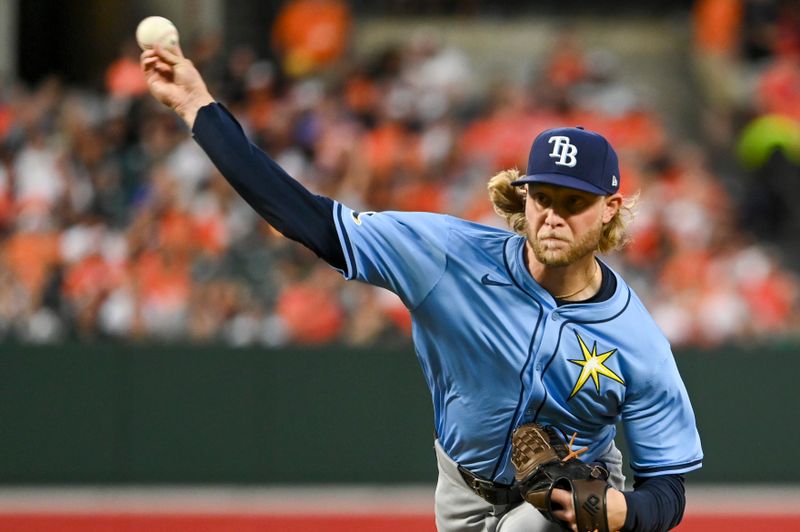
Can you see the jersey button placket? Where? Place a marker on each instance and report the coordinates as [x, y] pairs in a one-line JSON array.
[[553, 317], [542, 359]]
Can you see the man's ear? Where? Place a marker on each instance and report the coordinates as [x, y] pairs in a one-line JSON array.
[[612, 206]]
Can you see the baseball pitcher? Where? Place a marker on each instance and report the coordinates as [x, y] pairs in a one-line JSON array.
[[532, 347]]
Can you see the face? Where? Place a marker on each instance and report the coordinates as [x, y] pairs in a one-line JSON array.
[[564, 224]]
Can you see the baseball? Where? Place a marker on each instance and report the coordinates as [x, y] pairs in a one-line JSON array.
[[154, 30]]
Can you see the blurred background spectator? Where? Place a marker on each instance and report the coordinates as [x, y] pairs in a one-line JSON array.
[[115, 225]]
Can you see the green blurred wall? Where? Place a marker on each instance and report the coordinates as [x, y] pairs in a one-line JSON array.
[[183, 414]]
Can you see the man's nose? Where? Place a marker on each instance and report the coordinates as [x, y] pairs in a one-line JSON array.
[[552, 217]]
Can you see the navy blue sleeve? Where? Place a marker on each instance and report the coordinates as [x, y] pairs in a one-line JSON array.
[[279, 199], [656, 503]]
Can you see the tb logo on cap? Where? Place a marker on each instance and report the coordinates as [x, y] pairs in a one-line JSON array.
[[563, 150]]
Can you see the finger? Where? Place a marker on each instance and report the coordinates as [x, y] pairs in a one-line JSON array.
[[562, 497], [147, 54], [565, 521], [159, 68], [149, 62], [168, 55], [565, 513], [165, 71], [568, 516]]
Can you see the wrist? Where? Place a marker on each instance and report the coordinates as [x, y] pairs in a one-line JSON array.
[[188, 109], [616, 509]]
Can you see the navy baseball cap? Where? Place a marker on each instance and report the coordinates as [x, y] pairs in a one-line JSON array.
[[574, 158]]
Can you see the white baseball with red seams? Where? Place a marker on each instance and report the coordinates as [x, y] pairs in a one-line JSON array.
[[152, 30]]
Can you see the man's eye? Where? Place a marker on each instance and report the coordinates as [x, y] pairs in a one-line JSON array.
[[576, 203]]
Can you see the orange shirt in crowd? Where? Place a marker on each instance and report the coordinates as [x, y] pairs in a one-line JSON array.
[[312, 315], [771, 300], [717, 25], [164, 279], [419, 196], [311, 33], [386, 148], [6, 119], [91, 276], [176, 231], [778, 90], [124, 78], [30, 256]]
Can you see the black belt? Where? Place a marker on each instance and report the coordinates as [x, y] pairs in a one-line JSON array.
[[491, 492]]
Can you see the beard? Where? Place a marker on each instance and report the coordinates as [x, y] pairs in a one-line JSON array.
[[565, 252]]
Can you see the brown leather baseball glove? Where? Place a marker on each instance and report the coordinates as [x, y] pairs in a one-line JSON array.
[[544, 461]]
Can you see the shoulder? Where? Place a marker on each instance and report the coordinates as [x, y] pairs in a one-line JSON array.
[[419, 222], [349, 216], [467, 230], [635, 314], [648, 332], [638, 336]]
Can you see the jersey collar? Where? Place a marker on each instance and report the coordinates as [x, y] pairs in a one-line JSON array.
[[515, 263]]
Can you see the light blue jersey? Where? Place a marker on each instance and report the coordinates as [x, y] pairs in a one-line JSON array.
[[497, 351]]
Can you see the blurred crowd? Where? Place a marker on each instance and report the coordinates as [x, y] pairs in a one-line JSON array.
[[115, 224], [748, 63]]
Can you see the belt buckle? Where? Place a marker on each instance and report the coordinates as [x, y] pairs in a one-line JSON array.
[[484, 488]]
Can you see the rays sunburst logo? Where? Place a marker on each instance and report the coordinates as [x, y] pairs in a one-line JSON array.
[[592, 365]]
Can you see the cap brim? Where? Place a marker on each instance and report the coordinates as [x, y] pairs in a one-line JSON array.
[[560, 180]]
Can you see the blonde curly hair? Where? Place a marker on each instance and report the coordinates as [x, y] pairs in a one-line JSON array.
[[509, 202]]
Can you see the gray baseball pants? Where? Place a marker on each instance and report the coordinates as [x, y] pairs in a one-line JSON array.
[[459, 509]]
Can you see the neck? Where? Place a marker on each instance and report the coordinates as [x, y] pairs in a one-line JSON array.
[[576, 281]]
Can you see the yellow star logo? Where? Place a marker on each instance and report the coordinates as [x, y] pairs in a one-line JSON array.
[[592, 365]]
